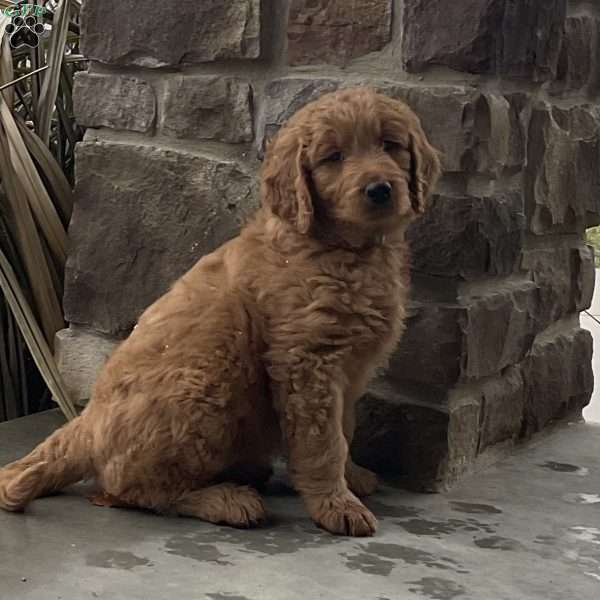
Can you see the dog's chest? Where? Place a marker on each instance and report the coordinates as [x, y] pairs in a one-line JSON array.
[[368, 299]]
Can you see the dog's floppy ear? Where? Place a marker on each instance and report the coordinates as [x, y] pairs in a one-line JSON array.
[[284, 185], [425, 168]]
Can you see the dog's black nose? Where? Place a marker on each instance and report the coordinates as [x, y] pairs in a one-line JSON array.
[[379, 193]]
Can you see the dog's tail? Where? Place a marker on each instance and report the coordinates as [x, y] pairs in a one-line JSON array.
[[64, 458]]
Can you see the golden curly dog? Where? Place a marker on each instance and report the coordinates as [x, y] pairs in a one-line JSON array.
[[266, 344]]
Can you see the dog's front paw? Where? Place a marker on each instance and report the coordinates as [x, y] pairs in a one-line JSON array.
[[361, 481], [343, 514]]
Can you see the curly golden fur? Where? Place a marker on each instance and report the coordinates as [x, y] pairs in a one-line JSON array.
[[266, 344]]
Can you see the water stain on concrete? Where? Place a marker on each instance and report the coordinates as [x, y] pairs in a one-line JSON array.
[[382, 510], [437, 588], [591, 535], [378, 558], [439, 528], [496, 542], [276, 540], [282, 539], [226, 596], [187, 547], [582, 498], [587, 562], [432, 528], [590, 566], [475, 509], [560, 467], [369, 563], [117, 559], [472, 529], [489, 528], [545, 540]]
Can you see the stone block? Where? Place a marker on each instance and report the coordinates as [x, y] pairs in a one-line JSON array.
[[583, 277], [564, 277], [477, 336], [463, 436], [448, 115], [336, 31], [594, 84], [500, 328], [519, 39], [530, 38], [576, 61], [283, 97], [562, 180], [474, 131], [170, 34], [115, 101], [558, 377], [429, 436], [519, 113], [397, 437], [437, 362], [80, 354], [207, 107], [424, 440], [473, 237], [143, 216], [462, 36], [502, 408]]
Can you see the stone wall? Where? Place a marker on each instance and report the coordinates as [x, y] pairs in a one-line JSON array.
[[179, 100]]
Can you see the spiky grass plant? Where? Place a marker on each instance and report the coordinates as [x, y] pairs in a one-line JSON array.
[[37, 138]]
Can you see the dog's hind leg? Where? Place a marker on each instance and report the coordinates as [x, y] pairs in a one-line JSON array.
[[225, 503]]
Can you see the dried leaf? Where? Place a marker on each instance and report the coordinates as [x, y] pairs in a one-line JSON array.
[[34, 338], [30, 246], [56, 53]]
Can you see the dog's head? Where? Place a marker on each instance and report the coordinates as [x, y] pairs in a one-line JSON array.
[[353, 159]]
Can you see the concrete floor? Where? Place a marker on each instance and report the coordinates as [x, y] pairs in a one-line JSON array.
[[527, 528]]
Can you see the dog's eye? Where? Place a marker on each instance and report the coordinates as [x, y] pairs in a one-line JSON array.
[[334, 157], [390, 146]]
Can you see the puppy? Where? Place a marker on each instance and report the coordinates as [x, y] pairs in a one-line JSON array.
[[266, 344]]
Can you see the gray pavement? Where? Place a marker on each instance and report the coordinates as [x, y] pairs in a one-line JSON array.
[[527, 528]]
